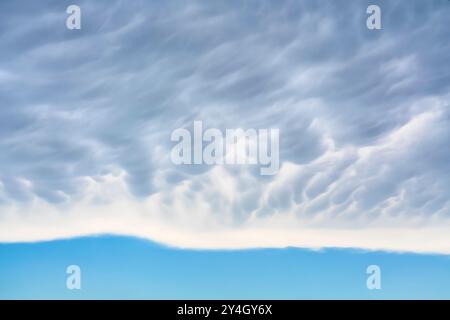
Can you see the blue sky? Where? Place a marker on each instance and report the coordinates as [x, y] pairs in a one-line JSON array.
[[86, 118], [129, 268]]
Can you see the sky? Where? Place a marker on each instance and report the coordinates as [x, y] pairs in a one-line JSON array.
[[147, 270], [86, 118]]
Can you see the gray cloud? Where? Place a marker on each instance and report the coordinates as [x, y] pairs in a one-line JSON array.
[[364, 115]]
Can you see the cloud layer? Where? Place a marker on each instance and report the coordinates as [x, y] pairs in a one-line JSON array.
[[364, 118]]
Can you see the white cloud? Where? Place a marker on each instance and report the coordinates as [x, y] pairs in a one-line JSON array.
[[363, 117]]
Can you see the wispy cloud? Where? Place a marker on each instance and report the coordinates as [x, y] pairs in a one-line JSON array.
[[364, 118]]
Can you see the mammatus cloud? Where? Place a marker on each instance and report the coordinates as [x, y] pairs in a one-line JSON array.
[[86, 118]]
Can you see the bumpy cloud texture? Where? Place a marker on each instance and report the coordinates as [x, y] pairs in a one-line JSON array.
[[364, 118]]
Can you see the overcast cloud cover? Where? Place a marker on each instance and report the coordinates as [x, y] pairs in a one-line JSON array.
[[364, 118]]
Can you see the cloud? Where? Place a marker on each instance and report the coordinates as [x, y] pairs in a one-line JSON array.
[[364, 118]]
